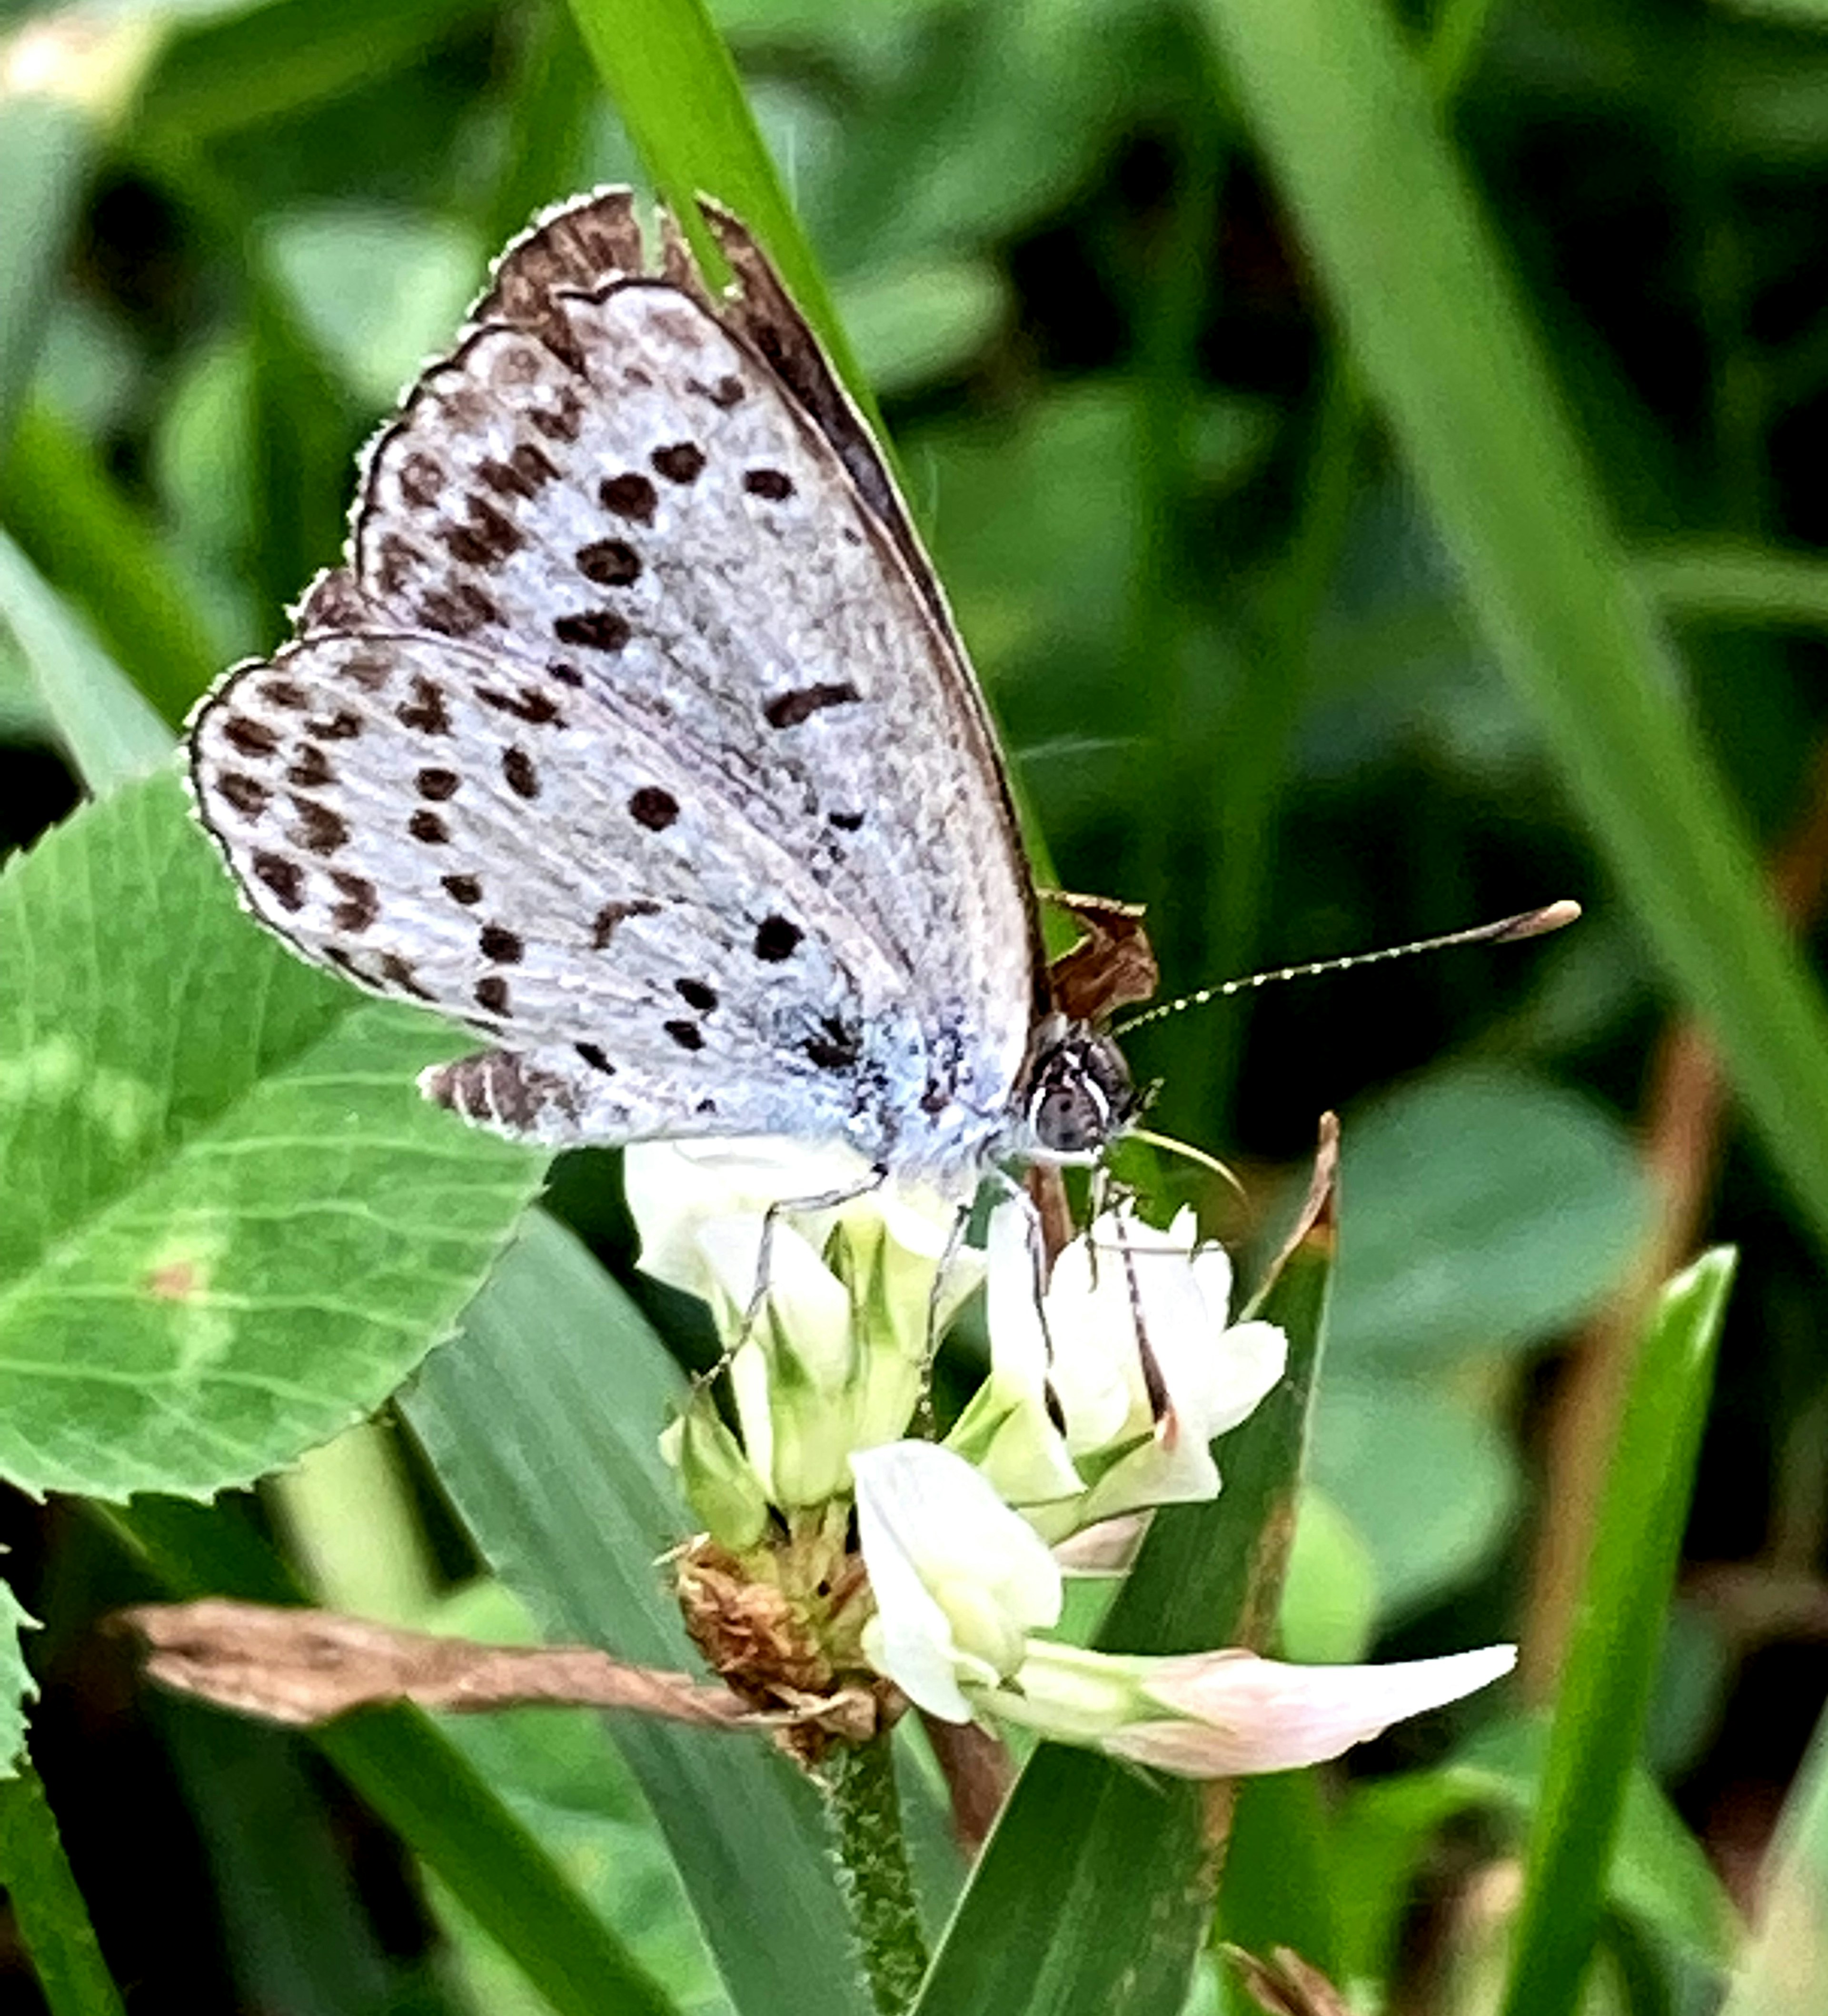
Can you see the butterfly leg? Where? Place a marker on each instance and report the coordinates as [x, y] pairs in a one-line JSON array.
[[826, 1201], [954, 1243], [1153, 1384]]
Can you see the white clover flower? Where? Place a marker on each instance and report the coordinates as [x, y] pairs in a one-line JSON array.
[[960, 1580], [963, 1586], [835, 1359], [1228, 1713], [1106, 1445]]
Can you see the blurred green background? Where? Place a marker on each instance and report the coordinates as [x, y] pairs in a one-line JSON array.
[[1239, 681]]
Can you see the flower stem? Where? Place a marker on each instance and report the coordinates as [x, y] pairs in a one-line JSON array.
[[873, 1871]]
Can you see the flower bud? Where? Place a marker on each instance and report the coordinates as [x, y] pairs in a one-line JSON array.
[[721, 1486]]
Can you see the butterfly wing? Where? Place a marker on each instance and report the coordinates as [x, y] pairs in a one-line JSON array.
[[614, 576], [522, 854]]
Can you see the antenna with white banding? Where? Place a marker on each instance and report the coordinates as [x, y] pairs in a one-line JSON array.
[[1526, 924]]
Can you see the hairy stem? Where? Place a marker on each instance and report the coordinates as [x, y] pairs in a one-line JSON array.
[[873, 1871]]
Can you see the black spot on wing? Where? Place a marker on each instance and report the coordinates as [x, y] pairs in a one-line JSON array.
[[251, 737], [632, 496], [283, 877], [425, 712], [248, 796], [777, 939], [609, 563], [837, 1045], [683, 463], [789, 710], [595, 629], [654, 808]]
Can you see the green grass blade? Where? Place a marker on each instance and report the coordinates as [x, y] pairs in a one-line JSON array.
[[396, 1759], [1439, 335], [1611, 1663], [1094, 1894], [543, 1419], [673, 81], [1788, 1962], [48, 1908], [46, 145], [68, 513], [110, 731], [1735, 581]]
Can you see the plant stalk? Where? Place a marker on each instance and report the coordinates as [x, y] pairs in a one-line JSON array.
[[873, 1871]]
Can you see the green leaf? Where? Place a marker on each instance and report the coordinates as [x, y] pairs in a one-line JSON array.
[[1490, 1209], [1605, 1689], [1736, 581], [542, 1421], [916, 323], [110, 732], [1054, 1918], [48, 1908], [235, 1226], [1329, 1603], [1425, 1473], [17, 1686], [1435, 328], [297, 1930]]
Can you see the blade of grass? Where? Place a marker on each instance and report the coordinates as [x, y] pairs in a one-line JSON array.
[[48, 1908], [674, 84], [67, 512], [421, 1784], [1736, 581], [108, 728], [543, 1419], [1436, 330], [1605, 1690], [1095, 1892]]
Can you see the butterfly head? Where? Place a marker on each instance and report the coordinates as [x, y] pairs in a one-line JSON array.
[[1077, 1095]]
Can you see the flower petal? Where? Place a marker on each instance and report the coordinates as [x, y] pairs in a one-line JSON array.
[[1242, 1713], [673, 1187], [959, 1579]]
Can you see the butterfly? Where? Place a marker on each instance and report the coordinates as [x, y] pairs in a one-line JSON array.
[[636, 733]]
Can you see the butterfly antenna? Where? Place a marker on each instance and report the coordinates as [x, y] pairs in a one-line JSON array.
[[1526, 924]]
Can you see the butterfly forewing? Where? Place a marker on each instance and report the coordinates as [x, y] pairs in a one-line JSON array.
[[633, 739]]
